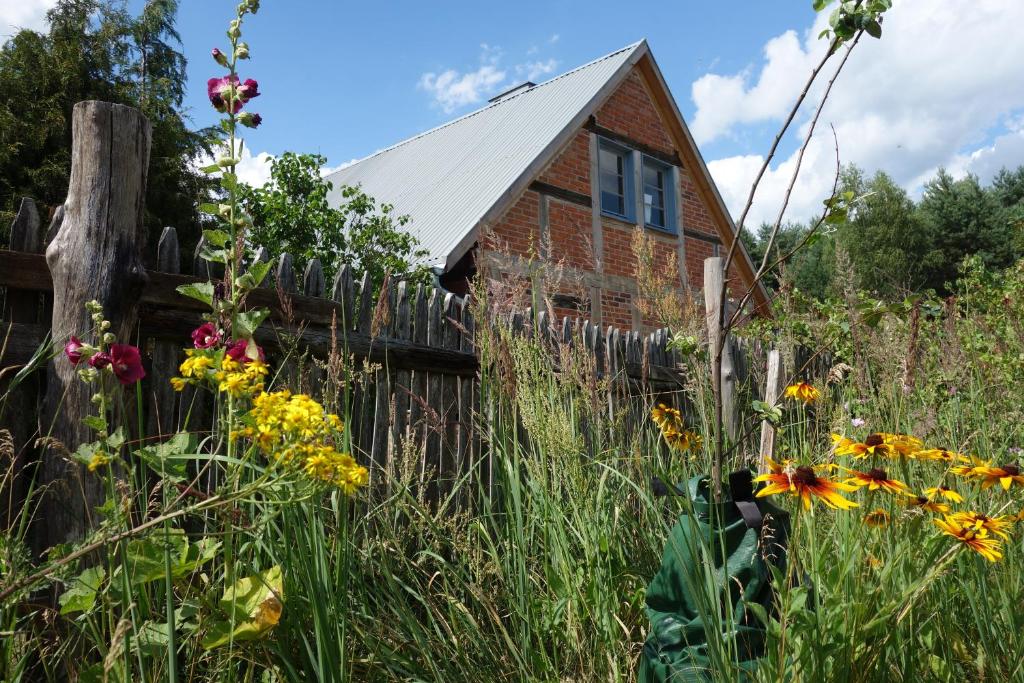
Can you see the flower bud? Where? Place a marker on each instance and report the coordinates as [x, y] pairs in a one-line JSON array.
[[250, 119], [234, 29], [105, 325], [219, 57], [109, 338], [227, 162], [254, 6], [97, 398], [242, 51]]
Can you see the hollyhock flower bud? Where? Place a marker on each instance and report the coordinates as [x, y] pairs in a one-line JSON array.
[[254, 6], [250, 120], [126, 362], [234, 29], [99, 360], [73, 350], [242, 51], [219, 57], [206, 336], [248, 90]]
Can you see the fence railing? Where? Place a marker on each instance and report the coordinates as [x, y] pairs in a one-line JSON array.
[[422, 393]]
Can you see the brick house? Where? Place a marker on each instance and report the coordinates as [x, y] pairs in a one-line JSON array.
[[564, 172]]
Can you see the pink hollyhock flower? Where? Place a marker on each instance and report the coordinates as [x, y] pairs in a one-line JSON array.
[[73, 350], [244, 350], [206, 336], [126, 361], [99, 360], [219, 91], [248, 90]]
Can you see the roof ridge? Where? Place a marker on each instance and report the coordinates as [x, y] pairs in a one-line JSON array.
[[490, 105]]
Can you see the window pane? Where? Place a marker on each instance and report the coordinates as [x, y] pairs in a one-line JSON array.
[[654, 195], [612, 180]]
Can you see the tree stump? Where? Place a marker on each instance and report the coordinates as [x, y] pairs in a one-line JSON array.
[[96, 254]]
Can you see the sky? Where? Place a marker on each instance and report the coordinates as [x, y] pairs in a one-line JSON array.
[[944, 87]]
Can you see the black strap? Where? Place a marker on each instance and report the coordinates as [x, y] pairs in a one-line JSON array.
[[741, 485]]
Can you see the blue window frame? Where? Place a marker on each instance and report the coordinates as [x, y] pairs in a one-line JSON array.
[[615, 170], [659, 195]]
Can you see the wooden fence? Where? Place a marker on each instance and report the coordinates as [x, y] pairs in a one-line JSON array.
[[422, 394]]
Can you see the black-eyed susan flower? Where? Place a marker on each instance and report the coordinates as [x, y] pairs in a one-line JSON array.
[[944, 492], [804, 482], [663, 416], [970, 468], [877, 479], [902, 444], [997, 525], [972, 537], [873, 444], [681, 440], [927, 504], [802, 391], [940, 454], [877, 518], [1005, 475]]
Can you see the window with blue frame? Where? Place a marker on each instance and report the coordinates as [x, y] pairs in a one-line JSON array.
[[615, 169], [658, 195]]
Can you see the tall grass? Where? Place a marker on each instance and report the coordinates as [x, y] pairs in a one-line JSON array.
[[537, 570]]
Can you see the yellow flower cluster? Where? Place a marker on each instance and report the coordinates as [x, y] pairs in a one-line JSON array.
[[670, 422], [99, 459], [802, 391], [222, 372], [295, 431]]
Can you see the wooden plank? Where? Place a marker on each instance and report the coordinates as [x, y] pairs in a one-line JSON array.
[[772, 393], [109, 158], [383, 377], [434, 408], [343, 292], [418, 377], [469, 452], [714, 282], [162, 415], [452, 467], [313, 283], [401, 329]]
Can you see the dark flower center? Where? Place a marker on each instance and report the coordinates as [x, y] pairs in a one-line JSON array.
[[1011, 470], [805, 475], [878, 474], [874, 440], [921, 500]]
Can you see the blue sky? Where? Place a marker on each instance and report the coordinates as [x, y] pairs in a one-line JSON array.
[[943, 88]]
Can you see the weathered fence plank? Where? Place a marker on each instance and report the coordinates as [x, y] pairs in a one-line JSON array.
[[96, 254]]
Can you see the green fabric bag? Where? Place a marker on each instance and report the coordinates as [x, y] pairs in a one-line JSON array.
[[753, 532]]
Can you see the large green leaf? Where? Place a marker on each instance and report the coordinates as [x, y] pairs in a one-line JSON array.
[[146, 555], [248, 321], [81, 593], [253, 606], [201, 291], [165, 458]]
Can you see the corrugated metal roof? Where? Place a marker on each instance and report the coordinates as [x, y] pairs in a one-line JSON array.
[[448, 178]]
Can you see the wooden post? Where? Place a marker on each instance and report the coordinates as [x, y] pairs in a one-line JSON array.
[[772, 391], [163, 414], [96, 254], [714, 281]]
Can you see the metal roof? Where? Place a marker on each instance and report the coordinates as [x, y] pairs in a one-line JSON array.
[[448, 179]]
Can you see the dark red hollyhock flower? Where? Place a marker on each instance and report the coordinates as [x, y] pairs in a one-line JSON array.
[[73, 350], [99, 360], [238, 351], [206, 336], [248, 90], [126, 362]]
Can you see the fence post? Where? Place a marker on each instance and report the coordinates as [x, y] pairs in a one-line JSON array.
[[96, 254], [714, 281], [772, 390]]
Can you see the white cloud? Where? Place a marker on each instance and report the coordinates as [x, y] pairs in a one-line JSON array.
[[553, 39], [328, 170], [254, 170], [452, 89], [928, 94], [532, 71], [19, 14]]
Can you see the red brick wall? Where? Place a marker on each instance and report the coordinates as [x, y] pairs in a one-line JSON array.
[[571, 169], [629, 112]]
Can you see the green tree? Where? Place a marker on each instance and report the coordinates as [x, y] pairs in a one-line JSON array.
[[93, 49], [891, 248], [963, 219], [291, 213]]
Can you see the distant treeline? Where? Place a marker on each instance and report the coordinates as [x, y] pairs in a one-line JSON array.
[[892, 245]]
